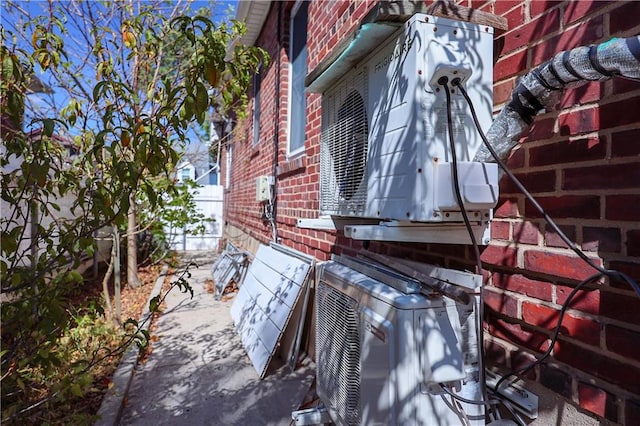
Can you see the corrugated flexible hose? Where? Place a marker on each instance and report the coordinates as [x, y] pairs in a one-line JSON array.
[[541, 87]]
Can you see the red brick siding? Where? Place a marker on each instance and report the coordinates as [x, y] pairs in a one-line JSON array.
[[581, 160]]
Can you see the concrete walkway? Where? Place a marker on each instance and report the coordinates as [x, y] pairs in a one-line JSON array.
[[198, 372]]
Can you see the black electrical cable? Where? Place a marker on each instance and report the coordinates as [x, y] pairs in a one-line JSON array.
[[276, 134], [443, 81], [612, 274], [469, 401], [516, 417], [554, 338], [488, 403], [601, 271]]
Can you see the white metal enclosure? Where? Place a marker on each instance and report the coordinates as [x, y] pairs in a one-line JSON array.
[[384, 150], [381, 353]]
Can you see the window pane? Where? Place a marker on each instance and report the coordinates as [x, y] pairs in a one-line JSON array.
[[227, 180], [298, 57], [256, 108], [299, 36]]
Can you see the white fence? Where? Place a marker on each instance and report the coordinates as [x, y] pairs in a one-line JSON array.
[[209, 202]]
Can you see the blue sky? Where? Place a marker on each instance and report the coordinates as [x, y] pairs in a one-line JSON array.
[[16, 12]]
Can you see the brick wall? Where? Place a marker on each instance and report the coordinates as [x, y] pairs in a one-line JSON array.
[[298, 178], [249, 161], [581, 161]]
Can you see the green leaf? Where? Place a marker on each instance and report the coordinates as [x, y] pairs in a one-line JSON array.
[[97, 90], [154, 303], [9, 246], [74, 276], [7, 67], [202, 98], [48, 126], [76, 389]]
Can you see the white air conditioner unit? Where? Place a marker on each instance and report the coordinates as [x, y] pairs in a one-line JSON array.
[[384, 148], [382, 353]]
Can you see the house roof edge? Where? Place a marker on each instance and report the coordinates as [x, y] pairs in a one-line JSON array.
[[253, 14]]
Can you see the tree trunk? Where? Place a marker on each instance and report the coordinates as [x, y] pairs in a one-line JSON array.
[[132, 246], [105, 282], [116, 276]]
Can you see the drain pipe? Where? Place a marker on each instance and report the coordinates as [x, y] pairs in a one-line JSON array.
[[276, 136], [541, 88]]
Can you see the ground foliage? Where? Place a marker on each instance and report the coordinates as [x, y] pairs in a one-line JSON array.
[[88, 334]]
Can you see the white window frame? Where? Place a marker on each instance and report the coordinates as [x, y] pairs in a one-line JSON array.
[[299, 150]]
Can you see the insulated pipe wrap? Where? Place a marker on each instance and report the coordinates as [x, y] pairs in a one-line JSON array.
[[541, 87]]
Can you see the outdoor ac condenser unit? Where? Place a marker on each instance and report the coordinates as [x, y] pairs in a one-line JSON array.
[[384, 147], [382, 353]]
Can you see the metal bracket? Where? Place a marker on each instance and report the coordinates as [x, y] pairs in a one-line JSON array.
[[522, 399], [311, 416], [419, 232], [393, 230], [334, 223]]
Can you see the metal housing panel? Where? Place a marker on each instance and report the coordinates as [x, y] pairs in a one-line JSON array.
[[228, 266], [264, 304], [407, 124], [380, 353]]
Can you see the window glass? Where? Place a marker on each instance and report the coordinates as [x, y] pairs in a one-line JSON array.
[[227, 179], [257, 80], [298, 72]]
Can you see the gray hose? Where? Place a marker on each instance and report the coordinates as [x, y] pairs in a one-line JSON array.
[[541, 88]]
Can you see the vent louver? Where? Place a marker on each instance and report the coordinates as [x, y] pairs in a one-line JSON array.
[[338, 342], [344, 146]]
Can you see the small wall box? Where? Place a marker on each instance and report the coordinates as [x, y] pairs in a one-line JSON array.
[[263, 191]]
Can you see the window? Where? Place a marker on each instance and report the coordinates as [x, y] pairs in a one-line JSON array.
[[297, 74], [186, 174], [227, 177], [257, 81]]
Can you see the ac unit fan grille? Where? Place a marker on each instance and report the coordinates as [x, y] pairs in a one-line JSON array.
[[344, 148], [338, 352]]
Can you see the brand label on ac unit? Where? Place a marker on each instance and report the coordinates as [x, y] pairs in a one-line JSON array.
[[399, 50]]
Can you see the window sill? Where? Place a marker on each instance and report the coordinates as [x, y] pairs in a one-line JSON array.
[[292, 166]]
